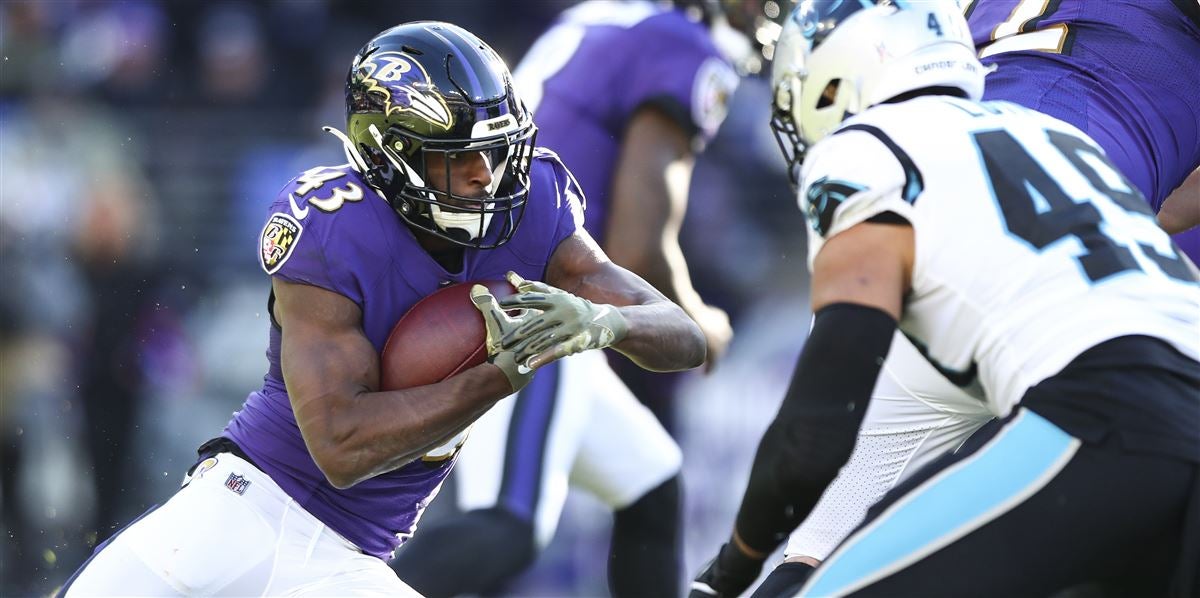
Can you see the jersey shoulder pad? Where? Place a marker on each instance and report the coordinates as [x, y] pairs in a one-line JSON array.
[[681, 70], [550, 175], [324, 189], [854, 174], [327, 214]]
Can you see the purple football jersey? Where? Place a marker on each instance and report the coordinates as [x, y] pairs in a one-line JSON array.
[[1126, 72], [601, 61], [328, 229]]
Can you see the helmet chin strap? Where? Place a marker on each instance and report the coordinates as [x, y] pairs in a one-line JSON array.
[[355, 158]]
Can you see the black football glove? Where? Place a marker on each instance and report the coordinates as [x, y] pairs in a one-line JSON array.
[[727, 576]]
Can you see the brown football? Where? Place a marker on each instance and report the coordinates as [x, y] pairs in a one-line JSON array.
[[442, 335]]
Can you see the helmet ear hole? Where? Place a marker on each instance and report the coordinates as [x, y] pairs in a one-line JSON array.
[[829, 94]]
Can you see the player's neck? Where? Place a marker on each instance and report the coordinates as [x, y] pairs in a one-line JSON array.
[[447, 254]]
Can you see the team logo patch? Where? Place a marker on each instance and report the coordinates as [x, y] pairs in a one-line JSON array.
[[279, 238], [405, 86], [237, 483], [199, 471], [823, 198], [712, 89]]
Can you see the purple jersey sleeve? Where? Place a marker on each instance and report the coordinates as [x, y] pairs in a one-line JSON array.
[[555, 212], [673, 64], [310, 239]]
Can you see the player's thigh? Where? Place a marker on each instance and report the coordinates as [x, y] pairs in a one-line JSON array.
[[625, 451], [204, 540], [361, 575], [1016, 512], [519, 454]]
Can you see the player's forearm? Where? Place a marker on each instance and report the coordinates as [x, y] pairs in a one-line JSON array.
[[661, 337], [814, 432], [377, 432]]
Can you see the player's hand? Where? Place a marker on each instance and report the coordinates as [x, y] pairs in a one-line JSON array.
[[499, 324], [562, 324], [727, 576], [714, 323]]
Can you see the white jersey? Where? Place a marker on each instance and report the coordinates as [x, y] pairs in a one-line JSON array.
[[1030, 246]]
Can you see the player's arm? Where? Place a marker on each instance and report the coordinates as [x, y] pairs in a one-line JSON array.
[[657, 334], [1180, 211], [647, 208], [859, 279], [331, 369]]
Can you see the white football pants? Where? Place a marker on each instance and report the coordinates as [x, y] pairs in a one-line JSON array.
[[231, 531]]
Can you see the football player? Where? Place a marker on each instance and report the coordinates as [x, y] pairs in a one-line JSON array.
[[1122, 71], [1028, 270], [624, 92], [1049, 76], [320, 476]]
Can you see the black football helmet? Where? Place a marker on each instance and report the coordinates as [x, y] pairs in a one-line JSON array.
[[425, 91]]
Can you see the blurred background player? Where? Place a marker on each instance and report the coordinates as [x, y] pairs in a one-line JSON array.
[[321, 476], [1121, 71], [899, 63], [628, 91]]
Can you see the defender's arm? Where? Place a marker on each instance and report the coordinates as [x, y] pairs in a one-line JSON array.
[[859, 279], [331, 369]]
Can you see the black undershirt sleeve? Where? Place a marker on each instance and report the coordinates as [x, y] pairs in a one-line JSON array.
[[814, 432]]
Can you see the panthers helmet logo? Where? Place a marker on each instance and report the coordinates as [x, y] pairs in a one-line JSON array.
[[405, 86]]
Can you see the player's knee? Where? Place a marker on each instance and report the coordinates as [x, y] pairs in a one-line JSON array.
[[657, 508]]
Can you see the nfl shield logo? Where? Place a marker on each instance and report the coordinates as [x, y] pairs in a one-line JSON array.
[[237, 483]]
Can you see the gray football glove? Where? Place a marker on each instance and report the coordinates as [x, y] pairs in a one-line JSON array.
[[558, 323], [499, 324]]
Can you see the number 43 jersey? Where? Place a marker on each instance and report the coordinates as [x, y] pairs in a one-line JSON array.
[[1030, 246]]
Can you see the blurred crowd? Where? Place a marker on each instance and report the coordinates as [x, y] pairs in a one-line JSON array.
[[140, 144]]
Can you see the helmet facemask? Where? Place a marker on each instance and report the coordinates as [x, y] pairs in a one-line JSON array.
[[402, 162]]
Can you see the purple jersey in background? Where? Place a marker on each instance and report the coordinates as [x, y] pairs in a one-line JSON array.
[[1126, 72], [601, 61], [328, 229]]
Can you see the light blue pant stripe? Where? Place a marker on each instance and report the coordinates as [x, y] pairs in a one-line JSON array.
[[1022, 458]]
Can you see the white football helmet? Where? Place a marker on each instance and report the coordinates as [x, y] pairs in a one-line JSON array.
[[836, 58]]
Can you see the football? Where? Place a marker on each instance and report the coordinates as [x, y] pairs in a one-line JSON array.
[[442, 335]]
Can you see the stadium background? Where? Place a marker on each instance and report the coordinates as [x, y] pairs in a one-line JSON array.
[[140, 143]]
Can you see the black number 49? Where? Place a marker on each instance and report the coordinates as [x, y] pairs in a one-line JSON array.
[[1037, 210]]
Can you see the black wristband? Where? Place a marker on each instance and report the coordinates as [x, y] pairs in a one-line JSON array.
[[816, 427]]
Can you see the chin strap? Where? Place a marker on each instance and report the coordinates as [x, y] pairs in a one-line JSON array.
[[352, 155]]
